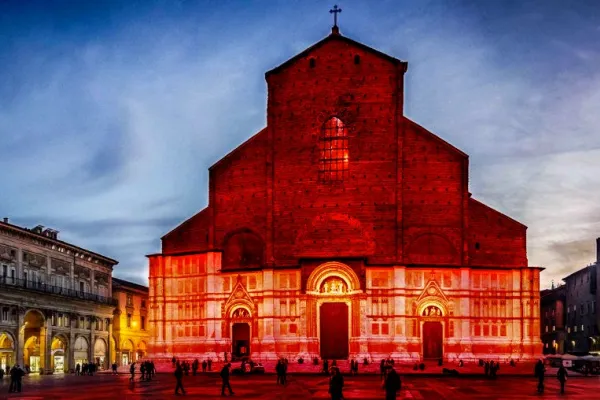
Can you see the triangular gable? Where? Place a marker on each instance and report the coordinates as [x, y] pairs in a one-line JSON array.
[[432, 289], [335, 36], [239, 295]]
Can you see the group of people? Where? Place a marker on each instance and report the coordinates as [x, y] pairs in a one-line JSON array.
[[147, 370], [194, 366], [183, 367], [85, 369], [390, 380], [540, 371], [16, 374], [490, 368]]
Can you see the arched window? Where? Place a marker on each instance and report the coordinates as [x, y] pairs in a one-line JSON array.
[[333, 149]]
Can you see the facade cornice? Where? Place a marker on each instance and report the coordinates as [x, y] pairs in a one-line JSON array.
[[9, 230]]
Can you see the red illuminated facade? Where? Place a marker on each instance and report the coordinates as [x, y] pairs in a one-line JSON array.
[[343, 229]]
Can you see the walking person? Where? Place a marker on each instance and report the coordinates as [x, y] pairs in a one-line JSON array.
[[142, 371], [392, 383], [114, 368], [336, 384], [562, 378], [210, 364], [132, 372], [204, 366], [539, 373], [195, 365], [225, 380], [179, 378], [326, 367], [78, 369], [13, 379], [279, 370]]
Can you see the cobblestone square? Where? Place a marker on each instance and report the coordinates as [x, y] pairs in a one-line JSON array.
[[366, 387]]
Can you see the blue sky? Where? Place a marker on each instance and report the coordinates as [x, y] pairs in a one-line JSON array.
[[112, 112]]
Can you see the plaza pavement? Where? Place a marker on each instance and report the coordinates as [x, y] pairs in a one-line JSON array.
[[365, 387]]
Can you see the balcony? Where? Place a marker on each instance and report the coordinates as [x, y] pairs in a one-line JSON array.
[[39, 287]]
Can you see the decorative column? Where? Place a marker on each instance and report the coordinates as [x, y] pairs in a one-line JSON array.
[[47, 349], [93, 283], [109, 354], [398, 302], [20, 334], [91, 358], [71, 353]]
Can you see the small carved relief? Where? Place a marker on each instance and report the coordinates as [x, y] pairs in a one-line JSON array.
[[432, 311], [60, 267], [240, 313], [33, 259], [334, 286], [8, 253], [82, 272], [101, 279]]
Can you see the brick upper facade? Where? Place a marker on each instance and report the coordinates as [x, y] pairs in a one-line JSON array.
[[405, 194]]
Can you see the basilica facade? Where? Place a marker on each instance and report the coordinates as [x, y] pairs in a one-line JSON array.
[[343, 230]]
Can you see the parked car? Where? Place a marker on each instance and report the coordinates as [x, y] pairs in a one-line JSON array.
[[249, 368]]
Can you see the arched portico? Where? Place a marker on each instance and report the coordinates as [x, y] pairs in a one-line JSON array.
[[141, 350], [59, 354], [7, 349], [34, 332], [81, 350], [100, 353], [127, 349]]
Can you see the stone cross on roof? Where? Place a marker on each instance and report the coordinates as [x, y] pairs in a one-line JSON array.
[[335, 10]]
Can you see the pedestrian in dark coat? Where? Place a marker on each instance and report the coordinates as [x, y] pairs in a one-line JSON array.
[[279, 370], [336, 384], [179, 377], [204, 363], [225, 380], [539, 373], [132, 372], [195, 365], [392, 384], [562, 378], [14, 378], [143, 371]]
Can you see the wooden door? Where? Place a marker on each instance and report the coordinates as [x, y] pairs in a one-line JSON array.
[[334, 331], [433, 340], [240, 340]]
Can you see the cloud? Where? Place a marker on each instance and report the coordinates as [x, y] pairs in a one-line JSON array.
[[108, 127]]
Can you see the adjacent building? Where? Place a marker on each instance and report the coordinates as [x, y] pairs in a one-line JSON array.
[[343, 229], [56, 307], [553, 319], [582, 298], [130, 323]]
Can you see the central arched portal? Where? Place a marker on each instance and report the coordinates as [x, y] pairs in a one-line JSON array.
[[240, 333], [433, 332], [334, 340], [334, 286]]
